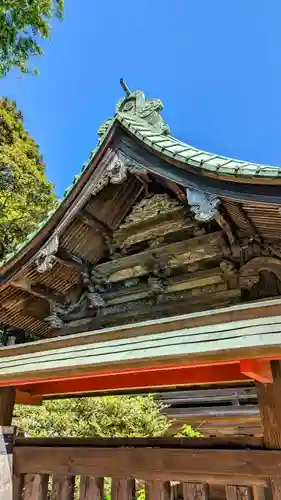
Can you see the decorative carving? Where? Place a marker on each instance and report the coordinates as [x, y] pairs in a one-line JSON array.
[[126, 307], [135, 168], [249, 274], [90, 298], [203, 205], [115, 173], [156, 285], [136, 105], [151, 207], [45, 258], [54, 318], [158, 267], [228, 268], [271, 248], [145, 110], [158, 274]]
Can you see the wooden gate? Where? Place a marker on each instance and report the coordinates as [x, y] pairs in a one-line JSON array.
[[160, 469]]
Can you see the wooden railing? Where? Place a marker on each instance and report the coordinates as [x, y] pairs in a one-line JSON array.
[[154, 469]]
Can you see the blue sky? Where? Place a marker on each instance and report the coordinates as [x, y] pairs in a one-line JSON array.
[[216, 65]]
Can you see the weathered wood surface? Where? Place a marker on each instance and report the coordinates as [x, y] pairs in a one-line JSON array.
[[243, 466], [195, 491], [7, 401], [63, 487], [158, 442], [238, 493], [122, 489], [179, 253], [91, 488], [269, 396], [175, 473], [35, 487], [158, 490]]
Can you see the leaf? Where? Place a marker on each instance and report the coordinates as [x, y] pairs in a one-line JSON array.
[[22, 24]]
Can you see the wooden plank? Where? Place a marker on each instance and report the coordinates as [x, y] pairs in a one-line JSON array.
[[122, 489], [259, 493], [158, 490], [176, 491], [213, 412], [63, 487], [91, 488], [269, 397], [207, 395], [246, 466], [238, 493], [35, 487], [18, 485], [195, 491], [209, 245], [157, 442], [216, 492]]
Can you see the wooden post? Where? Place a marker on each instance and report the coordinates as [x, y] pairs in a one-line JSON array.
[[6, 462], [7, 401], [269, 396]]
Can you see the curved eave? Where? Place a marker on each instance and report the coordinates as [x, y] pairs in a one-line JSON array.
[[26, 250], [204, 163]]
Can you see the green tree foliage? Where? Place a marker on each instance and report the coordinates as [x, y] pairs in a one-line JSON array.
[[108, 416], [22, 24], [25, 194]]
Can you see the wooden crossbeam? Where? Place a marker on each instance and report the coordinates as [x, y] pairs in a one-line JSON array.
[[242, 467]]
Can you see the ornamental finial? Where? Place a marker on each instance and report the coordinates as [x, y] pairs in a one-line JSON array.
[[125, 87]]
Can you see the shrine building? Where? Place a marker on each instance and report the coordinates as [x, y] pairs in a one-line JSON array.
[[159, 270]]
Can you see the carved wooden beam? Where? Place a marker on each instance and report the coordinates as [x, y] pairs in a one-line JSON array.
[[249, 273], [176, 254], [45, 258], [38, 290]]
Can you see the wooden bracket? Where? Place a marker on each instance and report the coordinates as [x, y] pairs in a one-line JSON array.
[[257, 369], [25, 398]]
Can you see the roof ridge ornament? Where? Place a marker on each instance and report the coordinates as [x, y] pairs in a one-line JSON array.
[[147, 110], [137, 107]]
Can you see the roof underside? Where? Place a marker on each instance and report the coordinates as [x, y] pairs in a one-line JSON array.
[[155, 198], [141, 118]]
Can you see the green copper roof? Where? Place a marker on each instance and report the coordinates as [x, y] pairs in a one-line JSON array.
[[141, 117], [150, 128]]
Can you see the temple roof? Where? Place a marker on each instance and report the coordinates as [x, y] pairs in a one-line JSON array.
[[150, 227], [204, 161], [141, 118]]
